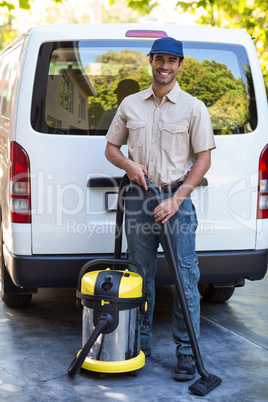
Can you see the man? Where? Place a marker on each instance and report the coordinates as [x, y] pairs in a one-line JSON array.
[[170, 139]]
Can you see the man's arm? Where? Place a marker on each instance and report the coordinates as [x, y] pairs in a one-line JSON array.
[[134, 170], [169, 207]]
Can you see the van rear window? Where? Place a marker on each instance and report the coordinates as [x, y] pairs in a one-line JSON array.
[[79, 85]]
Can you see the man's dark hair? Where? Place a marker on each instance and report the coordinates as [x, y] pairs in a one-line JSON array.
[[152, 56]]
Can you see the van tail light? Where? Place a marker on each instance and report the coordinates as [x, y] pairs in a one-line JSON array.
[[144, 33], [20, 196], [262, 211]]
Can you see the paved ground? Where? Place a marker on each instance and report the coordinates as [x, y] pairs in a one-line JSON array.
[[38, 343]]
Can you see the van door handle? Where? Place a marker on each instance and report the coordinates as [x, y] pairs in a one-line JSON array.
[[203, 183], [98, 182]]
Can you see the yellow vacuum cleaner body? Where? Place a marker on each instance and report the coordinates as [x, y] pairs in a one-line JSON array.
[[113, 301], [117, 350]]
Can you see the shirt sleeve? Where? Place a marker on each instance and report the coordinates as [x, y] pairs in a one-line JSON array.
[[118, 132], [201, 132]]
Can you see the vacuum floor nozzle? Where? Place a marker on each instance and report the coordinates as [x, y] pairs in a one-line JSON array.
[[204, 385]]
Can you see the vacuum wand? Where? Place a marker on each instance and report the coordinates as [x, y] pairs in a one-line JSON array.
[[103, 323], [207, 382]]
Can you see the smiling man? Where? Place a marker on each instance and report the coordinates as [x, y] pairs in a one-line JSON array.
[[170, 138]]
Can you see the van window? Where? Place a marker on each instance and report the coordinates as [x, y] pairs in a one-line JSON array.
[[9, 71], [79, 85]]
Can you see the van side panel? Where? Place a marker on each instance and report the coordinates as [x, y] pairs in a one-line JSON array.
[[10, 72], [262, 234]]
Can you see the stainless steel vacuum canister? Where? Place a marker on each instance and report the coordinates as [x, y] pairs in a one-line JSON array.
[[118, 294]]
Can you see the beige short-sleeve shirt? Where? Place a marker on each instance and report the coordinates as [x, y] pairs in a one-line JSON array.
[[166, 137]]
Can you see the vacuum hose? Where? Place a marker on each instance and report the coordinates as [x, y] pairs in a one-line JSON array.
[[105, 321], [208, 381]]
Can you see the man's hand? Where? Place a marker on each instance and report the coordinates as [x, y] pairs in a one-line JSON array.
[[166, 209], [134, 170], [170, 206]]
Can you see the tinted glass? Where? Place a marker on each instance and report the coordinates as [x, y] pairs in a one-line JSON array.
[[8, 71], [79, 85]]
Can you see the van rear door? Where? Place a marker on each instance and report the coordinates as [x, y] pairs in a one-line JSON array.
[[81, 84], [75, 97]]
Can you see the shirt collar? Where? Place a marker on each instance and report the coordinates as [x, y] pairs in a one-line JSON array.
[[147, 93], [172, 95]]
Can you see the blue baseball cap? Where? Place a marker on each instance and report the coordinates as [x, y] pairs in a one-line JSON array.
[[167, 45]]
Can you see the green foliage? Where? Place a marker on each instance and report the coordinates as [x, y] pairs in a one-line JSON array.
[[251, 15], [142, 6], [116, 66], [23, 4], [223, 94], [7, 34], [7, 4], [7, 31], [125, 57], [227, 98]]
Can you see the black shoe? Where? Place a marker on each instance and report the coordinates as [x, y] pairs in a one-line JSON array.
[[147, 352], [185, 369]]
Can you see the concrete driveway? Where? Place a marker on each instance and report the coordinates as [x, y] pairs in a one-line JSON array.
[[39, 342]]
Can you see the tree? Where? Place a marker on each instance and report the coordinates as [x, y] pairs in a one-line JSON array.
[[142, 6], [228, 98], [251, 15], [17, 16], [24, 4]]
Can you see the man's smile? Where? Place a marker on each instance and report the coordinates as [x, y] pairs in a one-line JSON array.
[[164, 73]]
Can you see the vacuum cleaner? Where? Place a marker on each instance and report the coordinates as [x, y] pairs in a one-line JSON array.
[[99, 310], [112, 294], [208, 381]]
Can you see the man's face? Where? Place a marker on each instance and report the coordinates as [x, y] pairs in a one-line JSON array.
[[164, 68]]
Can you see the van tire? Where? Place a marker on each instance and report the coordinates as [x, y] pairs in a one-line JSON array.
[[17, 300], [10, 293], [215, 295]]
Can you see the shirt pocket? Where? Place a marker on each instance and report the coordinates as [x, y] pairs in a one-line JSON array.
[[173, 135], [136, 129]]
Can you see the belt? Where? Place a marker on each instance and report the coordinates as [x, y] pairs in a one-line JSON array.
[[170, 188]]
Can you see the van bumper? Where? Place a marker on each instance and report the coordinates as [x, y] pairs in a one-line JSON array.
[[63, 270], [230, 266]]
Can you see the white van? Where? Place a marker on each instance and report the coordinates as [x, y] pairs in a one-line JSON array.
[[60, 87]]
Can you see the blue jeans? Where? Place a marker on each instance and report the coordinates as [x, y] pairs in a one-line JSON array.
[[143, 238]]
